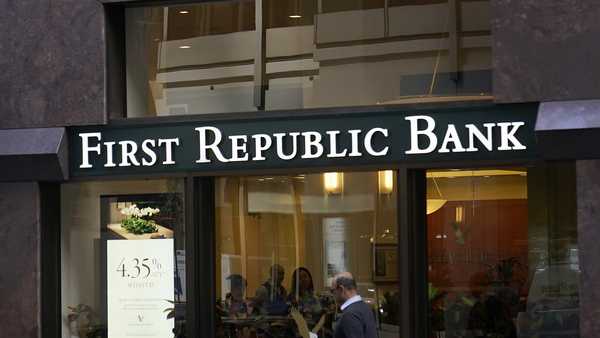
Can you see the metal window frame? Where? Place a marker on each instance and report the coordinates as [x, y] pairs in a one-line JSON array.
[[200, 227]]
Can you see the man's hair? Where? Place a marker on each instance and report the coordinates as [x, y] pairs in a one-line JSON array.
[[345, 280]]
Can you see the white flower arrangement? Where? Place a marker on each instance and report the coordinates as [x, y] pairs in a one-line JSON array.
[[134, 211], [135, 222]]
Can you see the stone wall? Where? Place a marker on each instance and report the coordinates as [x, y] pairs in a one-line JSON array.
[[588, 217], [52, 58], [545, 50], [20, 278]]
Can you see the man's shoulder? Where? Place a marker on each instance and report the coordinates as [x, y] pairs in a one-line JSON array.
[[359, 306]]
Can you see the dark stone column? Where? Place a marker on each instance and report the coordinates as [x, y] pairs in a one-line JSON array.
[[545, 50], [52, 61], [20, 277], [588, 219]]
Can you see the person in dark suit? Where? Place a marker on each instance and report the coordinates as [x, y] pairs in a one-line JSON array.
[[357, 320]]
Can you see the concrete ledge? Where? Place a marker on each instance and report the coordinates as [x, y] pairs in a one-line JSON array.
[[569, 129], [39, 154]]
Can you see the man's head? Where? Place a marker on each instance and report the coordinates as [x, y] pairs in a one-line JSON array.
[[277, 274], [237, 286], [343, 287]]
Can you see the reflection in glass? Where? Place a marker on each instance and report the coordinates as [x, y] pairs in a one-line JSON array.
[[280, 240], [501, 253], [206, 57]]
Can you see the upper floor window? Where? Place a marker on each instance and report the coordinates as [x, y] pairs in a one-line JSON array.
[[247, 55]]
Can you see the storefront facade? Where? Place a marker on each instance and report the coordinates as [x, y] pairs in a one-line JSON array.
[[250, 150]]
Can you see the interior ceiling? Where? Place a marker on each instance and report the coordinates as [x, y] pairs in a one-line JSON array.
[[475, 173]]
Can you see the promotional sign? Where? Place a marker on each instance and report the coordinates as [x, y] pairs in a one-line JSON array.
[[334, 241], [374, 138], [140, 287]]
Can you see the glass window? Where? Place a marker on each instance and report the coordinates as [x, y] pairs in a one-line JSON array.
[[289, 13], [502, 251], [205, 57], [331, 6], [190, 59], [281, 239], [123, 259], [415, 2]]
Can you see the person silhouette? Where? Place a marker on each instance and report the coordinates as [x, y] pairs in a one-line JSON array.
[[302, 295], [271, 295]]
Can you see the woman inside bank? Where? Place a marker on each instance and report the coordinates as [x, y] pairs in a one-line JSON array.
[[302, 296]]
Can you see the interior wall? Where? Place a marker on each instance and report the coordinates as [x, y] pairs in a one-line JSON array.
[[497, 229]]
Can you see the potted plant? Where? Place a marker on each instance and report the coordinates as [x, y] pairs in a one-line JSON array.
[[83, 322], [137, 220]]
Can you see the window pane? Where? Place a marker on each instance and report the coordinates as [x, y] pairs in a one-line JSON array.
[[357, 53], [330, 6], [415, 2], [123, 259], [280, 240], [190, 59], [203, 58], [502, 246], [289, 13]]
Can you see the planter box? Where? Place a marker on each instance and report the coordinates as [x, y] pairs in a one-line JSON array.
[[120, 232]]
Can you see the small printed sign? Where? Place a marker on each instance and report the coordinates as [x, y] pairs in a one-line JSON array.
[[140, 287]]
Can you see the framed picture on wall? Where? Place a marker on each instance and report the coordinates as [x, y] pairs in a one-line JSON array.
[[386, 263]]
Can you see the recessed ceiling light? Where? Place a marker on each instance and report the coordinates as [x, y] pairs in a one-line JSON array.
[[185, 47], [295, 16], [184, 12]]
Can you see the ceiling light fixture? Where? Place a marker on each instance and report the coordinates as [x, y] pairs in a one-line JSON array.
[[333, 182], [296, 13], [184, 12], [185, 47], [386, 181], [435, 204], [460, 214]]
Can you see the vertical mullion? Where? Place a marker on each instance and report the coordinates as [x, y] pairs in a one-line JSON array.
[[386, 18], [205, 212], [404, 255], [260, 81], [418, 223], [412, 253], [50, 260], [453, 39], [200, 251], [192, 274]]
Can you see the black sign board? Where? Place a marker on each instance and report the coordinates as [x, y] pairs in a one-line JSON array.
[[369, 138]]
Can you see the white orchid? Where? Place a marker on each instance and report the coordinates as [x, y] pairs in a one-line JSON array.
[[149, 211], [134, 211]]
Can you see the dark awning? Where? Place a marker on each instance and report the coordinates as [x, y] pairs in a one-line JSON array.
[[569, 129], [39, 154]]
